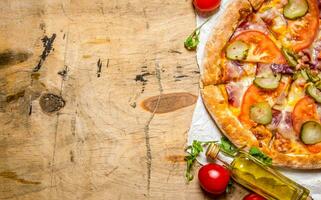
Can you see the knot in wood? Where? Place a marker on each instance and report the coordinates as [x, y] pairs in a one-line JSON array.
[[51, 103]]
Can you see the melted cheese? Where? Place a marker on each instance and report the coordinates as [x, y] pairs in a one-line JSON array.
[[296, 93]]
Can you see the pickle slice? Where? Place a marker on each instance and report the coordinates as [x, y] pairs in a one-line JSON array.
[[270, 82], [311, 132], [318, 85], [289, 56], [261, 113], [304, 74], [312, 77], [314, 92], [237, 50], [295, 9]]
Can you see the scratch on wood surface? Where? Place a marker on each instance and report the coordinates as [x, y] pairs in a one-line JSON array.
[[111, 171], [65, 14], [107, 64], [174, 51], [146, 128], [57, 116], [13, 176], [54, 151]]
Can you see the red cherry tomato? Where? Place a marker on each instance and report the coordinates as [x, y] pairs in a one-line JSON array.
[[204, 7], [253, 196], [213, 178]]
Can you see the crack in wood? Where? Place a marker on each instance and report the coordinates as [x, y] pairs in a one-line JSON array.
[[57, 118], [99, 65], [47, 44], [30, 109], [146, 128], [63, 73]]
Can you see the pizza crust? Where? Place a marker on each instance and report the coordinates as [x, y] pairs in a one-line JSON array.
[[228, 22]]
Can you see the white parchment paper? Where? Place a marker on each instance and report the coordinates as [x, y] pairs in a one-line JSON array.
[[204, 129]]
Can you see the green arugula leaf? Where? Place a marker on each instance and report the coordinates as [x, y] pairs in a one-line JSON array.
[[229, 186], [192, 152], [192, 41], [227, 147], [255, 152]]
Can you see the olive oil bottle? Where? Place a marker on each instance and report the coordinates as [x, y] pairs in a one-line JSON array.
[[256, 176]]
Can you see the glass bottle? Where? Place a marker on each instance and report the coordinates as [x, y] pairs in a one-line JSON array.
[[256, 176]]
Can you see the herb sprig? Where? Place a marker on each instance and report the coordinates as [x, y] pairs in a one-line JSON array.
[[228, 147], [255, 152], [193, 40], [192, 152]]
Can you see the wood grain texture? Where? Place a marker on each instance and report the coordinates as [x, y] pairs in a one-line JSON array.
[[95, 141]]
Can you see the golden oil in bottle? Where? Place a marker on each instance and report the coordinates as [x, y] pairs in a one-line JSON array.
[[256, 176]]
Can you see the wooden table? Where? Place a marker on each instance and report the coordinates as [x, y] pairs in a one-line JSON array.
[[96, 99]]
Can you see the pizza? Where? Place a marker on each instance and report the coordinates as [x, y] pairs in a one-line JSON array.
[[261, 78]]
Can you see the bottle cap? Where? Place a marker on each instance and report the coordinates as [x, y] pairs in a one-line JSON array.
[[212, 151]]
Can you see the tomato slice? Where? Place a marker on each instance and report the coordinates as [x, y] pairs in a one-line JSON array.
[[314, 148], [255, 95], [304, 110], [302, 32], [262, 48]]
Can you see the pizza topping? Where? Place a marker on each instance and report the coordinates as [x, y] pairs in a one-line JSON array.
[[252, 22], [304, 110], [304, 75], [312, 75], [297, 90], [234, 70], [265, 78], [285, 126], [302, 32], [295, 9], [262, 134], [235, 93], [255, 95], [314, 92], [311, 132], [237, 50], [254, 46], [268, 82], [314, 148], [294, 24], [261, 113], [290, 57], [282, 68], [275, 20], [281, 144], [276, 119]]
